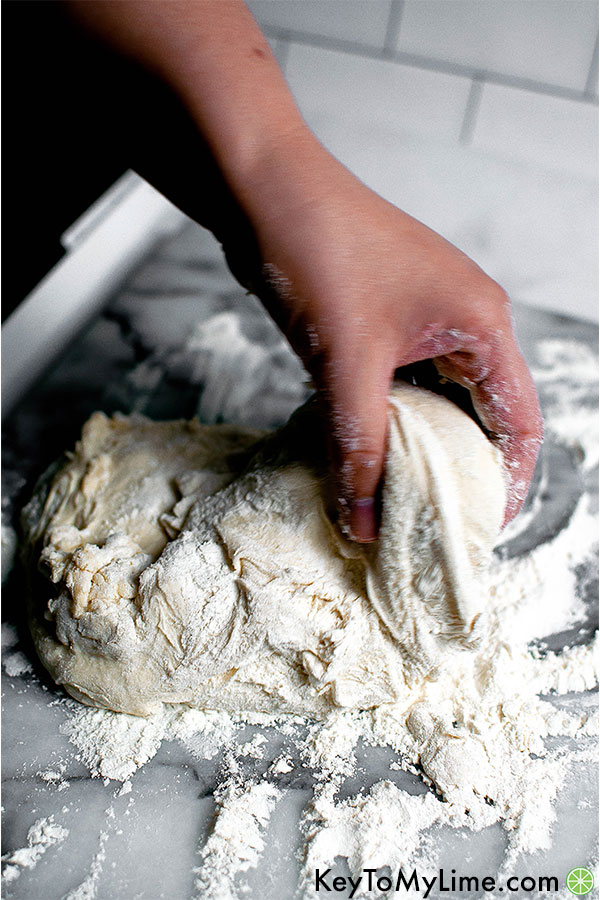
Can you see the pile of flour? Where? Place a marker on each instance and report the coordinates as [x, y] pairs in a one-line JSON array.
[[482, 738]]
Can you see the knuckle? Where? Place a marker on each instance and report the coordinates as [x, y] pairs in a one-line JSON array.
[[490, 306]]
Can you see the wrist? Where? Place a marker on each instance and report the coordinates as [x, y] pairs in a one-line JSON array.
[[290, 172], [262, 152]]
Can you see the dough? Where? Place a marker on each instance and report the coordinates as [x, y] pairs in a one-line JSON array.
[[198, 565]]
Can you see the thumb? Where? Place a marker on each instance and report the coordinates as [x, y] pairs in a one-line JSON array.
[[356, 400]]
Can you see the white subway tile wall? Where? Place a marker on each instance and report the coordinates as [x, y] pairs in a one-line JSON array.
[[357, 21], [549, 130], [507, 90], [371, 91], [549, 41]]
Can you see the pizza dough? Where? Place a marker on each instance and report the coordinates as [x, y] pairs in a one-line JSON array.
[[197, 564]]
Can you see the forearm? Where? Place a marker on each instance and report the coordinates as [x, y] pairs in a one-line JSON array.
[[359, 287], [215, 59]]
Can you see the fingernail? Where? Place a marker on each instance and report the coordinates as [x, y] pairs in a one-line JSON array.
[[361, 521]]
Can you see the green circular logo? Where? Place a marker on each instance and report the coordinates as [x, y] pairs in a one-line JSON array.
[[580, 881]]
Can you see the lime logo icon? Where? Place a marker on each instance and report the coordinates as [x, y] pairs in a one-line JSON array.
[[580, 881]]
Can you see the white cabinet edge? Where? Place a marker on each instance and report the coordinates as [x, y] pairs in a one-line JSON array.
[[108, 241]]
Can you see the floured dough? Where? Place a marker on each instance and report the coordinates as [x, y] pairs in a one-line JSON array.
[[198, 564]]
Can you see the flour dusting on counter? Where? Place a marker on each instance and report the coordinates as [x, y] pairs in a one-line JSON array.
[[492, 741], [236, 841], [42, 835], [570, 368]]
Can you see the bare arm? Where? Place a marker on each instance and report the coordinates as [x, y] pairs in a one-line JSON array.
[[359, 287], [214, 56]]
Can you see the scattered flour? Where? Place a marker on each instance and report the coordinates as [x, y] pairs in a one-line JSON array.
[[253, 748], [203, 732], [562, 360], [571, 369], [125, 788], [114, 745], [373, 830], [55, 777], [221, 350], [492, 741], [281, 767], [14, 661], [16, 664], [88, 888], [236, 841], [42, 835]]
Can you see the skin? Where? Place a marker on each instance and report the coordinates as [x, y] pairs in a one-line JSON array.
[[359, 287]]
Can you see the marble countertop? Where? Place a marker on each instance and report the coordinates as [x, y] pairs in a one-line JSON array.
[[167, 346]]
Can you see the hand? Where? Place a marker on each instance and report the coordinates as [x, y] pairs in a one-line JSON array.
[[361, 288]]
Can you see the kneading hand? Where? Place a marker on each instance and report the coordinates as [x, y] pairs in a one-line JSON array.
[[361, 288]]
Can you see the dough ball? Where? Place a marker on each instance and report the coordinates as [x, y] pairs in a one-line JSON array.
[[193, 564]]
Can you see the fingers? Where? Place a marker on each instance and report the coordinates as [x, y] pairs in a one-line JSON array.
[[506, 401], [355, 393]]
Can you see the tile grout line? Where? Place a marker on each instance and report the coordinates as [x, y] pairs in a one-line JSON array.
[[588, 91], [427, 63], [471, 111], [392, 30]]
